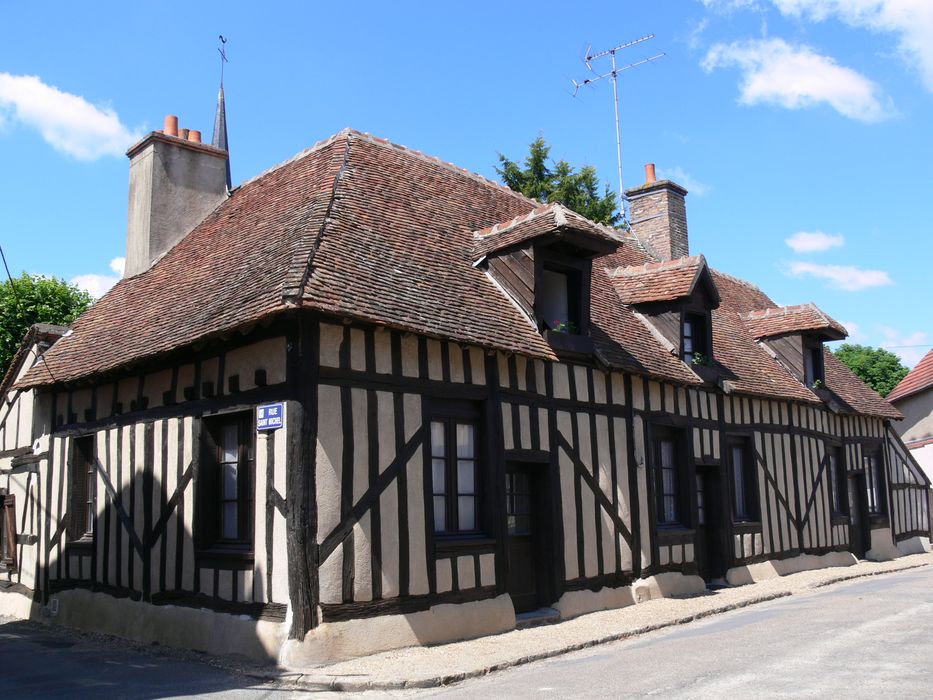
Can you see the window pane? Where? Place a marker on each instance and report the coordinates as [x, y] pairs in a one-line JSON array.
[[738, 475], [670, 509], [466, 506], [437, 475], [229, 528], [437, 439], [230, 479], [230, 443], [667, 453], [465, 482], [667, 478], [465, 437], [688, 328], [688, 345], [701, 515], [553, 298], [440, 514], [809, 370]]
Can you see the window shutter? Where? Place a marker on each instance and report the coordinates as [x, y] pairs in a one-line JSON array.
[[9, 531], [78, 500]]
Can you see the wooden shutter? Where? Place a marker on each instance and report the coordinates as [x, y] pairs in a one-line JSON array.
[[77, 502], [9, 531]]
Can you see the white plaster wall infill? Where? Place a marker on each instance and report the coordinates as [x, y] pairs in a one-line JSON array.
[[331, 642], [762, 571]]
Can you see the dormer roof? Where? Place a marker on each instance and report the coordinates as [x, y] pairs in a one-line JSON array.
[[548, 224], [669, 280], [802, 318]]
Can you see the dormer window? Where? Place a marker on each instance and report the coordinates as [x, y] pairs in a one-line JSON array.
[[813, 362], [695, 339], [559, 299]]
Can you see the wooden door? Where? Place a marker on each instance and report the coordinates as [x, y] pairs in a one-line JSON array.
[[859, 533], [525, 527], [710, 536]]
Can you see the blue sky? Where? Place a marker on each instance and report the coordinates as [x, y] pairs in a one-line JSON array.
[[800, 127]]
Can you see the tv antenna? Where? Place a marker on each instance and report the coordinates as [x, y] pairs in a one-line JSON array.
[[614, 74]]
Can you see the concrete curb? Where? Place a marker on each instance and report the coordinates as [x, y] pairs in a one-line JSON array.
[[324, 682]]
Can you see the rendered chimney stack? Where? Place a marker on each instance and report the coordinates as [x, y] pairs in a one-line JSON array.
[[175, 182], [659, 216]]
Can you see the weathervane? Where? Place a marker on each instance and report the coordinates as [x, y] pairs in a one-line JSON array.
[[623, 200], [223, 56]]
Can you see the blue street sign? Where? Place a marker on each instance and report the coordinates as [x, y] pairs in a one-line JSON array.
[[270, 416]]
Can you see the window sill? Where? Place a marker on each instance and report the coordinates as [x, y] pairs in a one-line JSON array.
[[85, 544], [841, 519], [708, 373], [569, 344], [673, 529], [452, 544], [226, 557], [746, 526]]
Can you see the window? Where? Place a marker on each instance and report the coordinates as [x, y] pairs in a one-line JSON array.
[[875, 477], [83, 503], [813, 363], [837, 481], [454, 473], [7, 531], [559, 299], [668, 474], [695, 337], [225, 519], [744, 501]]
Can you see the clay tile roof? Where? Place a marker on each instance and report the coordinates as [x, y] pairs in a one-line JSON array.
[[918, 379], [658, 281], [360, 228], [765, 323], [540, 222]]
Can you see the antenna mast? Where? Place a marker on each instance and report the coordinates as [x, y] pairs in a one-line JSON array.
[[614, 74]]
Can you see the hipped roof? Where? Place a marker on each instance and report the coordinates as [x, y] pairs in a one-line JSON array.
[[782, 320], [917, 380], [364, 229]]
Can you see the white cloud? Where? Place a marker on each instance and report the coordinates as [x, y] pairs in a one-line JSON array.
[[910, 347], [813, 242], [855, 332], [681, 177], [67, 122], [98, 285], [775, 72], [730, 5], [845, 277], [910, 20]]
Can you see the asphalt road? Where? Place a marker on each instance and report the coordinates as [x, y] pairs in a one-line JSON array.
[[868, 638]]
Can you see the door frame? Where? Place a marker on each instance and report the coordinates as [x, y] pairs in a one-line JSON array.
[[545, 533], [864, 518]]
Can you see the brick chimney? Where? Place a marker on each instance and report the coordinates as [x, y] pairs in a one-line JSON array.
[[175, 182], [659, 216]]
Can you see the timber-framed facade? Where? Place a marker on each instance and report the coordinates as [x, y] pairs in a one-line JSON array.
[[458, 443]]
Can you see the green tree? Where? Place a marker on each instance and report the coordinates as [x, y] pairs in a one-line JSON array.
[[33, 299], [547, 181], [879, 368]]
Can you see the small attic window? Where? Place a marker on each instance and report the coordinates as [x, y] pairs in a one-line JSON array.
[[559, 299], [695, 341], [813, 370]]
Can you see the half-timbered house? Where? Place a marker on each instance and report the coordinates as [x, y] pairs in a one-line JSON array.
[[368, 399]]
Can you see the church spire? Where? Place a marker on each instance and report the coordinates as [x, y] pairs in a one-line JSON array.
[[220, 118]]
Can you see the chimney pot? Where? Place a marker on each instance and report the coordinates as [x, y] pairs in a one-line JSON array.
[[649, 174], [183, 134], [171, 125], [194, 135]]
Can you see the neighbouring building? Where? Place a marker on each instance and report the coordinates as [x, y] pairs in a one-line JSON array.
[[368, 399], [913, 397]]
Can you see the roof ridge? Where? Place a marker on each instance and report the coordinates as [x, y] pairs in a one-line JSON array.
[[660, 265], [447, 165], [314, 148]]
